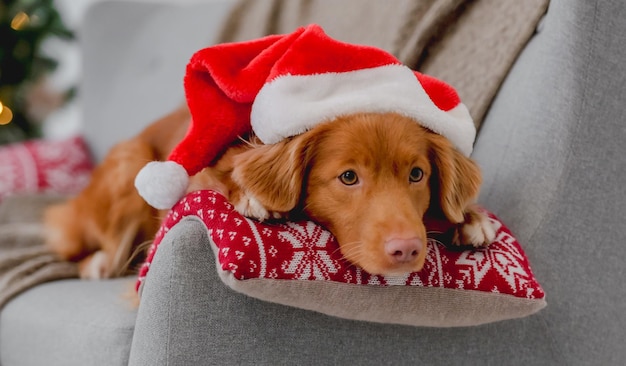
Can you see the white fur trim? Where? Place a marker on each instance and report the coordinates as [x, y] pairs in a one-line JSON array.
[[162, 183], [292, 104]]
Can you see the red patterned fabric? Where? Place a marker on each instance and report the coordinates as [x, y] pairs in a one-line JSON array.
[[62, 166], [305, 251]]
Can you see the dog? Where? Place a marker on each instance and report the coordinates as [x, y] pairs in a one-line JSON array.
[[372, 179], [107, 221]]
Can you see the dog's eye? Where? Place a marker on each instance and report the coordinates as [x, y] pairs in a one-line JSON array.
[[349, 178], [416, 175]]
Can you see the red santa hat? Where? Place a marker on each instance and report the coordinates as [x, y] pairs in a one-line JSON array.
[[283, 85]]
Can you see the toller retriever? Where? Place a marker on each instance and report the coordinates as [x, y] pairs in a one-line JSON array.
[[374, 180]]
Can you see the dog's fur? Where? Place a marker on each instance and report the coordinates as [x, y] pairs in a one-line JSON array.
[[371, 179], [379, 220], [101, 227]]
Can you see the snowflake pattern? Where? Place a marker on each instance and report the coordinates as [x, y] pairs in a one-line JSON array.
[[310, 258], [304, 251], [44, 166]]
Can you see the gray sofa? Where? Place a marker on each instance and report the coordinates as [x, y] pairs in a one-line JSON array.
[[552, 152]]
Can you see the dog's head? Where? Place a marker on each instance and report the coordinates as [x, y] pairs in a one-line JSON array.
[[370, 179]]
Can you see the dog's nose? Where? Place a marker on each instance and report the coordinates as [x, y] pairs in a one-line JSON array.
[[403, 250]]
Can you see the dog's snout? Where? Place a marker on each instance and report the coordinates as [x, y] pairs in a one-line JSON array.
[[403, 250]]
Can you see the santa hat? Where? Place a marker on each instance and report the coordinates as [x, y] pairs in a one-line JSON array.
[[283, 85]]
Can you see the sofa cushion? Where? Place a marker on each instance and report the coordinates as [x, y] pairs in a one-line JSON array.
[[59, 166], [299, 264], [69, 322]]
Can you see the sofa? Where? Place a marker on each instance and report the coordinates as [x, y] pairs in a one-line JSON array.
[[551, 151]]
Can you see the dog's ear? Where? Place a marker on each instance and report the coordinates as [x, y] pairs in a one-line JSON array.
[[455, 181], [274, 174]]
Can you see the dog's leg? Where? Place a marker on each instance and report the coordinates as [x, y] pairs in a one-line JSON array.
[[247, 205], [96, 266], [64, 236], [477, 229]]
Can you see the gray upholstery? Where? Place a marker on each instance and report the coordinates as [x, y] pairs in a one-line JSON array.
[[69, 322], [552, 154]]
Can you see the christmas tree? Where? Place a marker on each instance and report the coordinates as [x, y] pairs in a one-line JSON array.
[[24, 25]]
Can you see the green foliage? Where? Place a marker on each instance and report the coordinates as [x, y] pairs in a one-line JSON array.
[[24, 24]]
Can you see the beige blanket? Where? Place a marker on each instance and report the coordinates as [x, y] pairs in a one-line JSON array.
[[24, 261], [469, 44]]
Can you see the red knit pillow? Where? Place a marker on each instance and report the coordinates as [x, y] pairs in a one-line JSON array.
[[62, 166], [299, 264]]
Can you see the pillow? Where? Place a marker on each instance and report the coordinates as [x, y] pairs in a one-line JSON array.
[[299, 264], [59, 166]]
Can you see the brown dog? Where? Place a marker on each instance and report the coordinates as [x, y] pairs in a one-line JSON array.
[[371, 179], [101, 227]]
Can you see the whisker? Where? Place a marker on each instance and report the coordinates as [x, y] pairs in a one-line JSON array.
[[138, 252], [435, 241], [352, 265], [348, 248], [434, 232], [305, 207], [335, 251], [248, 141]]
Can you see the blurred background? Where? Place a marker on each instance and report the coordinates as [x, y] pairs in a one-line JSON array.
[[39, 64], [40, 67]]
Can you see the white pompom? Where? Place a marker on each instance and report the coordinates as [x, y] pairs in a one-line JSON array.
[[162, 183]]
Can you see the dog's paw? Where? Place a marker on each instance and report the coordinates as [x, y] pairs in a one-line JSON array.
[[249, 206], [477, 230], [95, 267]]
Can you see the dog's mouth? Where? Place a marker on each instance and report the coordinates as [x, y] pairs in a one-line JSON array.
[[391, 270], [395, 257]]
